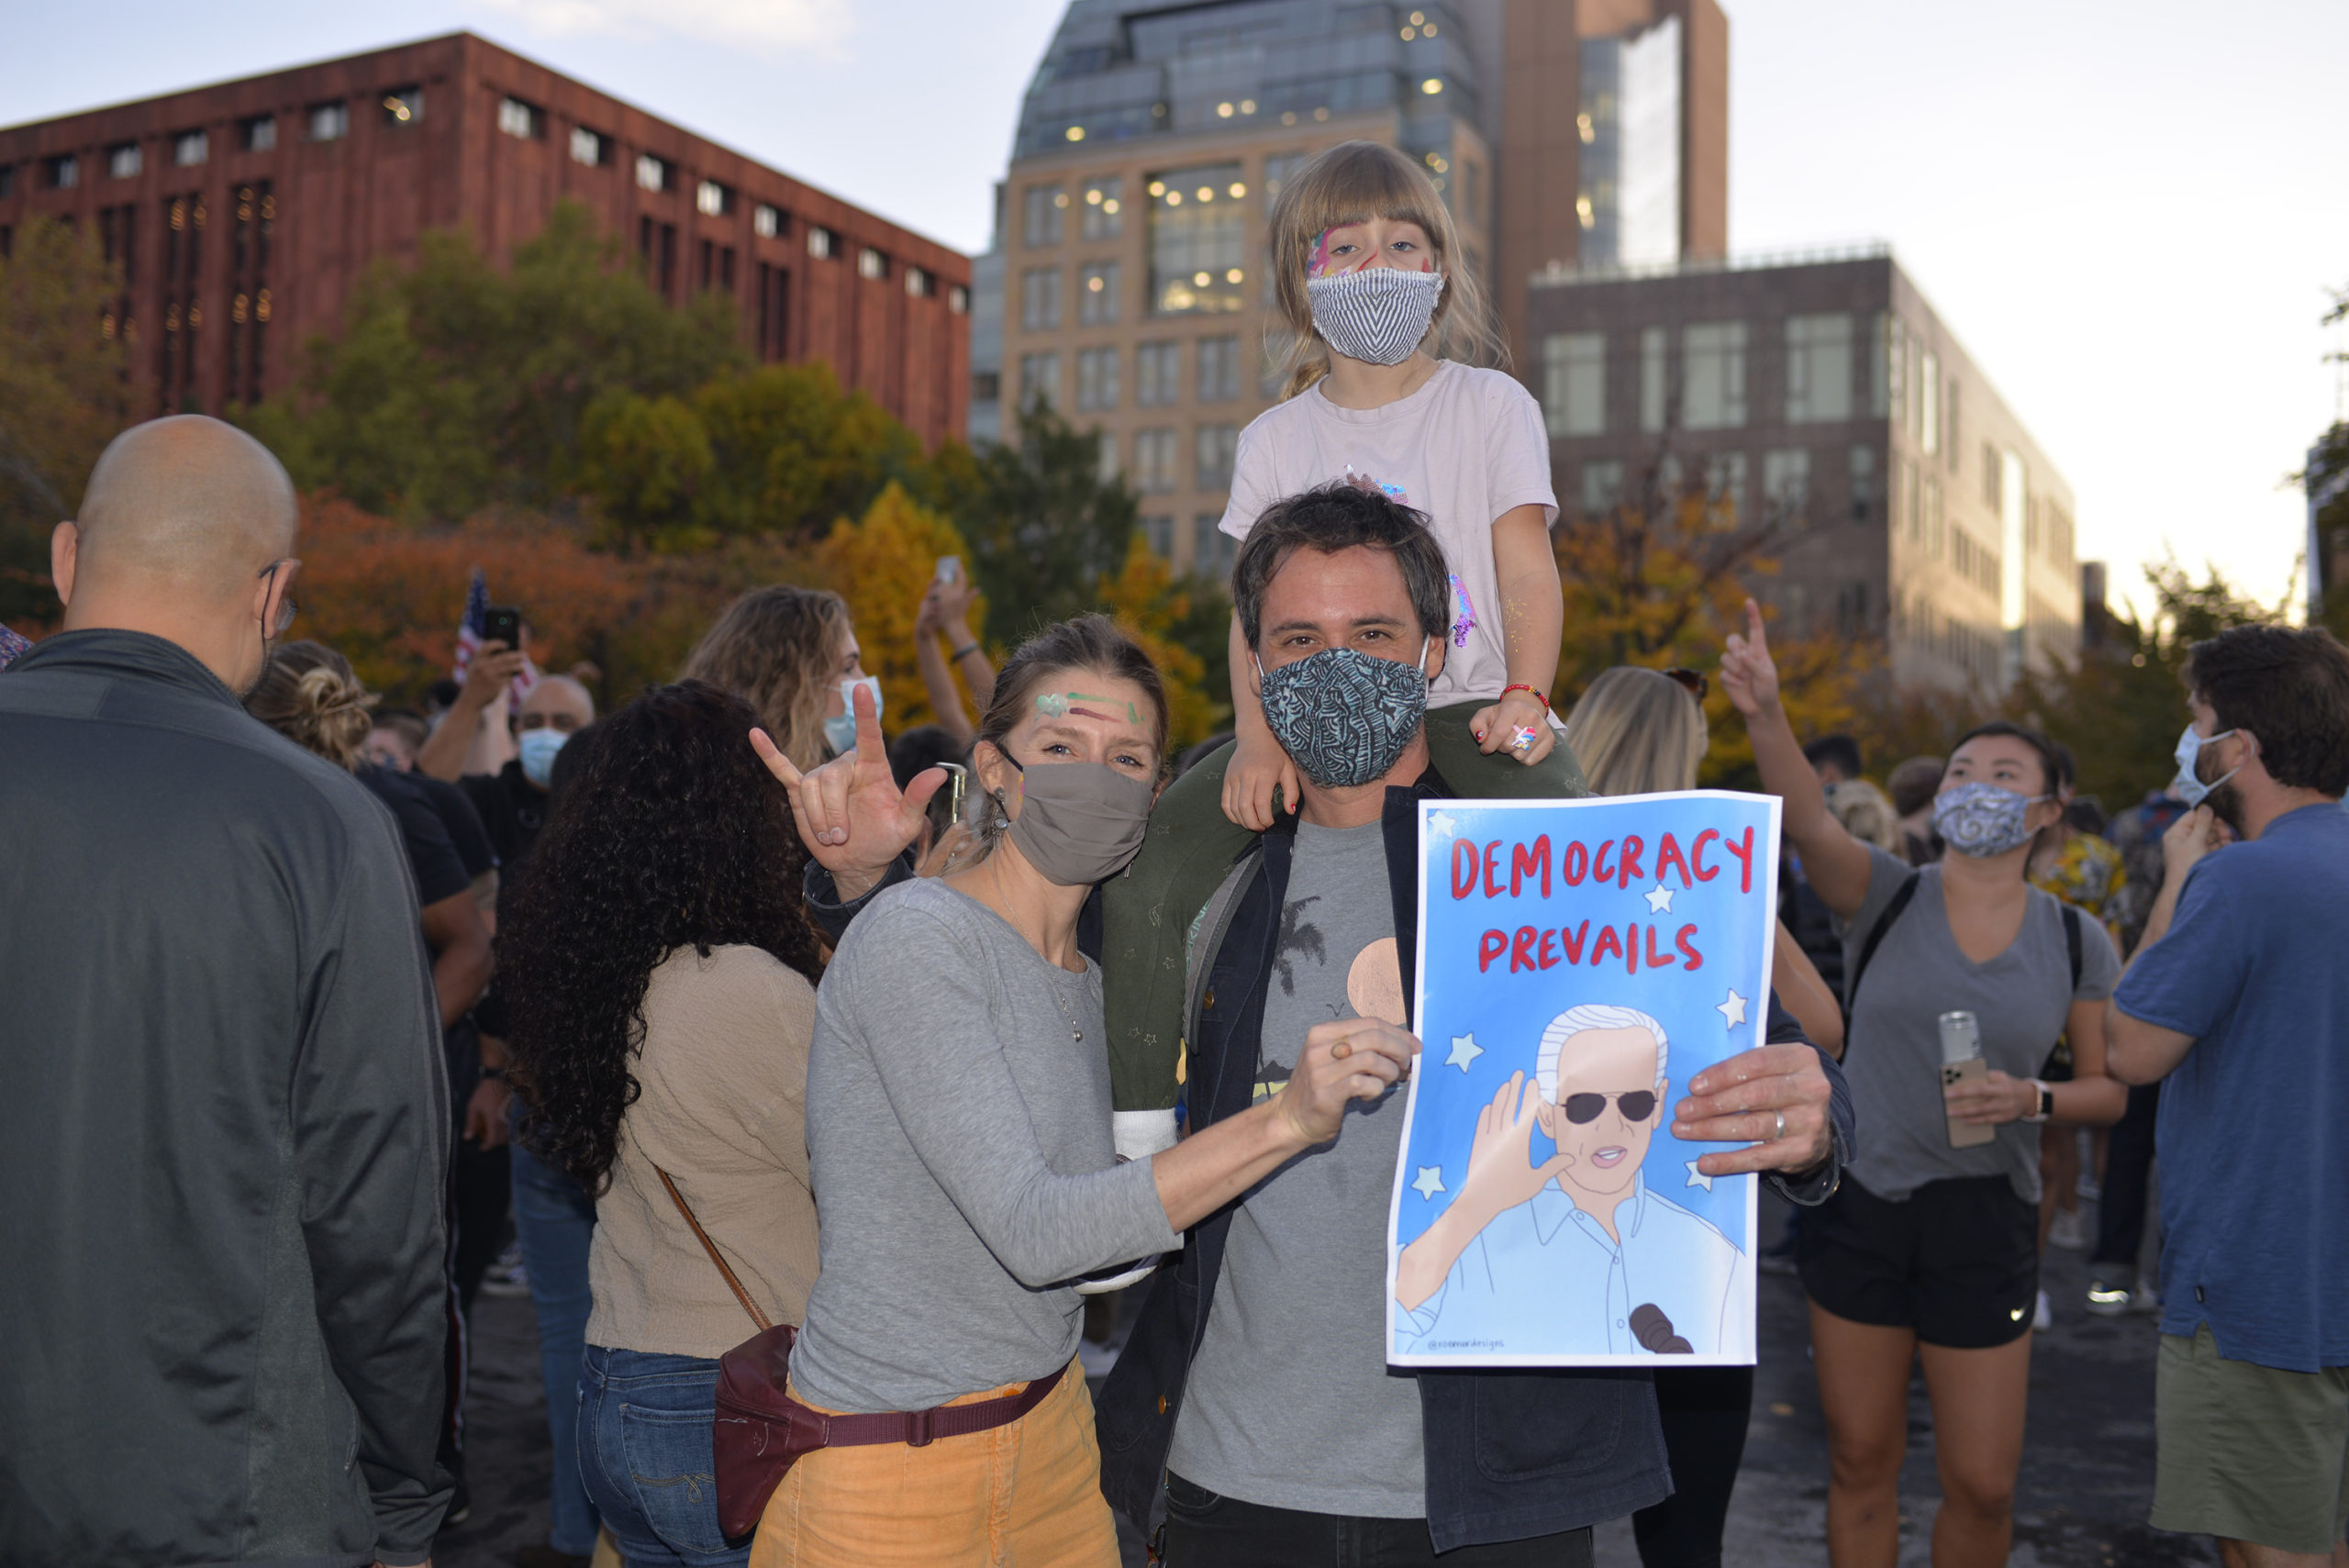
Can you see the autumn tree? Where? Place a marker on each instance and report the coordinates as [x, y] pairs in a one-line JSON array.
[[63, 397], [882, 563], [1177, 621], [457, 384]]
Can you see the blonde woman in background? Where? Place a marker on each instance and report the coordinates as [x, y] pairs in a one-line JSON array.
[[1866, 813], [792, 655], [1643, 732]]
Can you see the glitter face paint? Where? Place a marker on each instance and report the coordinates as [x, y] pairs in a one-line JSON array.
[[1057, 704]]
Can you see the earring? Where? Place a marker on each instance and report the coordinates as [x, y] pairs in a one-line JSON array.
[[1002, 809]]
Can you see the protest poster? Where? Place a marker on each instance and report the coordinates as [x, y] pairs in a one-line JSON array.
[[1579, 961]]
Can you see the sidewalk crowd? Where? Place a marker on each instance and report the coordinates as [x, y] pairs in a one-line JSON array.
[[831, 1088]]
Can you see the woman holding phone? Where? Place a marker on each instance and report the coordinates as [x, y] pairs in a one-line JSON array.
[[1931, 1248]]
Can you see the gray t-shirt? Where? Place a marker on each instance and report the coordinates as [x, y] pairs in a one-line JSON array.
[[2020, 998], [1289, 1402], [958, 1139]]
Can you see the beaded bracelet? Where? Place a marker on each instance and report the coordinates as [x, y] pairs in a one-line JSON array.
[[1537, 696]]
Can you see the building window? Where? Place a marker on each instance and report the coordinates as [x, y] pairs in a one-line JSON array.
[[1043, 209], [329, 122], [123, 161], [712, 199], [870, 263], [958, 300], [1103, 216], [1096, 380], [1278, 167], [1655, 377], [1863, 483], [1040, 378], [1602, 486], [1574, 384], [1929, 404], [405, 106], [920, 283], [1712, 375], [528, 122], [1039, 299], [1724, 488], [1160, 532], [190, 148], [1198, 241], [258, 133], [1105, 461], [1218, 369], [1216, 447], [1212, 550], [1851, 609], [767, 222], [1933, 508], [7, 184], [1786, 483], [591, 148], [1096, 293], [821, 243], [654, 173], [1158, 375], [1819, 368], [1155, 459], [61, 172], [987, 386]]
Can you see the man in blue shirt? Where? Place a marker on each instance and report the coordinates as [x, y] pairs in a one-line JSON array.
[[2238, 998]]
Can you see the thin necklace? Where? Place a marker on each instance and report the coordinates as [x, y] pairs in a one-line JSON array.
[[1059, 1001], [1073, 1032]]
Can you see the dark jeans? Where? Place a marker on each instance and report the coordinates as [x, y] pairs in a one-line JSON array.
[[2128, 1162], [645, 1453], [1705, 1411], [1204, 1529]]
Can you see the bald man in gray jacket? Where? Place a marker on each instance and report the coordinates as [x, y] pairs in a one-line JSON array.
[[223, 1115]]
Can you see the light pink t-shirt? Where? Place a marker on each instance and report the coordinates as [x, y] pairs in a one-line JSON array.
[[1463, 449]]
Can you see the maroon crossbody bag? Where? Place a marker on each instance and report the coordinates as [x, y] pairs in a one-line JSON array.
[[760, 1430]]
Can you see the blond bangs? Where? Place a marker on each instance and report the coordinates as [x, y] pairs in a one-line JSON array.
[[1352, 182]]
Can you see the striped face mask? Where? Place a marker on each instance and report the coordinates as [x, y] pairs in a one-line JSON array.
[[1377, 315]]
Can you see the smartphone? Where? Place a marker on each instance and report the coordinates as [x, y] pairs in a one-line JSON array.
[[1967, 1134], [503, 623], [950, 568]]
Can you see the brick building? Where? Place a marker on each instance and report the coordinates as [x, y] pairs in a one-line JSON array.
[[242, 213], [1822, 396]]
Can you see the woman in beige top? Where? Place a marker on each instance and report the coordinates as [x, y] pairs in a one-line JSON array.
[[662, 999]]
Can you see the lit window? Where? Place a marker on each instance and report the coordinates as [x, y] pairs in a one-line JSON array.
[[652, 174], [767, 221], [190, 148], [123, 161], [258, 133], [1104, 208], [712, 199], [590, 148], [870, 263], [1223, 111], [821, 244], [1040, 211], [1097, 292], [523, 122], [403, 105], [958, 300], [1197, 245], [1075, 133], [329, 122], [1431, 86], [1574, 384]]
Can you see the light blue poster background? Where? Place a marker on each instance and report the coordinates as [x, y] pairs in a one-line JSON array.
[[1482, 1014]]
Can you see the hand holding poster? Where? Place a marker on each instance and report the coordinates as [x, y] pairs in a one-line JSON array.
[[1579, 961]]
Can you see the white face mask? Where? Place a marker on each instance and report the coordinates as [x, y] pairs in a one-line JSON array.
[[1377, 315], [2190, 787]]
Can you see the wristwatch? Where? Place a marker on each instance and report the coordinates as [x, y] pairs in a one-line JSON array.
[[2046, 1101]]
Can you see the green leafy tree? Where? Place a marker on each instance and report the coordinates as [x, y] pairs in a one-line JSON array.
[[1046, 530], [457, 383], [62, 398]]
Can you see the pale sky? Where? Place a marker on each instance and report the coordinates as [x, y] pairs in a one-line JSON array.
[[2128, 212]]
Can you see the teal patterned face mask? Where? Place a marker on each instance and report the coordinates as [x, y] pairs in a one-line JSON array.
[[1344, 717]]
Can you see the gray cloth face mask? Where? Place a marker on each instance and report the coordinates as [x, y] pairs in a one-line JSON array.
[[1079, 823], [1377, 315]]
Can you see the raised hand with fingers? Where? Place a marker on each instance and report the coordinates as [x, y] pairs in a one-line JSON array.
[[1501, 1172], [1748, 675], [849, 812]]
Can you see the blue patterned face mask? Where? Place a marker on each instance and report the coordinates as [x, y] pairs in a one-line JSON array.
[[1982, 818], [1344, 717]]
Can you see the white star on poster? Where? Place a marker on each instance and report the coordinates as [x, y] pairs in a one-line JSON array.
[[1733, 1011], [1698, 1178], [1430, 1182], [1659, 899], [1465, 1049], [1442, 822]]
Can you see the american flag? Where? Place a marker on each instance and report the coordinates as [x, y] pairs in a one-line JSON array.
[[473, 627]]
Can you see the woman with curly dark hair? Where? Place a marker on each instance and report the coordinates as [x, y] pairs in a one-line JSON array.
[[661, 998]]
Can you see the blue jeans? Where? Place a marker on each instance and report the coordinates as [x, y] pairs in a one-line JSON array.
[[554, 1221], [645, 1452]]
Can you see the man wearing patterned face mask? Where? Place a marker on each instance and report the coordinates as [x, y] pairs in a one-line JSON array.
[[1254, 1399]]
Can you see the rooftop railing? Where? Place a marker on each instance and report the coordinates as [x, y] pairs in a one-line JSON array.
[[1557, 275]]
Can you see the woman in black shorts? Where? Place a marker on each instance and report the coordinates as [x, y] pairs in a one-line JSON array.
[[1930, 1251]]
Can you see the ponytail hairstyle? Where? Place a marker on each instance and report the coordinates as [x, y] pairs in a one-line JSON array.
[[1089, 644], [1352, 182], [779, 648], [309, 695]]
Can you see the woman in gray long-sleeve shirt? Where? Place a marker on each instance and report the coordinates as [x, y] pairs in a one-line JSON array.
[[958, 1132]]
